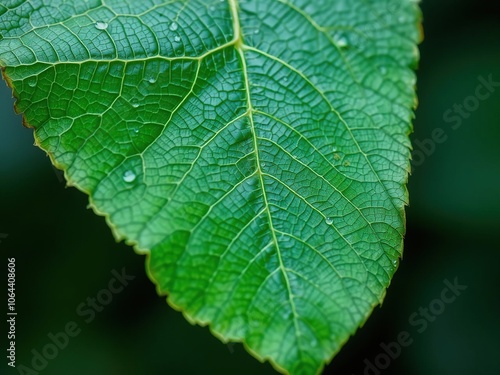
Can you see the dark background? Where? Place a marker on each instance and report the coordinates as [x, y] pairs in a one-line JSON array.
[[64, 253]]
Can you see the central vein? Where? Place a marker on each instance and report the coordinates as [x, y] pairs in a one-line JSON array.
[[240, 48], [238, 35]]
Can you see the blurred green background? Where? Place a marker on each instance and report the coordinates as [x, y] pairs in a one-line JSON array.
[[64, 253]]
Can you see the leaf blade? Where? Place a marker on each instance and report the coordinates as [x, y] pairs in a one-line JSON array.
[[252, 172]]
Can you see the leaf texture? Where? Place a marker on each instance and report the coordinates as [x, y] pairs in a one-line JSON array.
[[257, 151]]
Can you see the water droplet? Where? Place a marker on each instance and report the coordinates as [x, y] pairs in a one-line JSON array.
[[173, 26], [395, 262], [177, 38], [334, 149], [262, 165], [329, 220], [31, 82], [134, 103], [99, 25], [129, 176], [152, 80], [342, 42], [256, 31]]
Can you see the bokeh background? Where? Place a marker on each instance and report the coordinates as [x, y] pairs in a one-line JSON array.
[[64, 253]]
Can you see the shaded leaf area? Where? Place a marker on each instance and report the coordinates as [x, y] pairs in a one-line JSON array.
[[257, 151]]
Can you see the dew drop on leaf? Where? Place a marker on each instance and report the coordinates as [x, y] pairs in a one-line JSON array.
[[129, 176], [329, 220], [99, 25], [342, 42], [173, 26]]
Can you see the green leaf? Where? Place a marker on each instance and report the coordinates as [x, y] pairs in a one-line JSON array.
[[257, 151]]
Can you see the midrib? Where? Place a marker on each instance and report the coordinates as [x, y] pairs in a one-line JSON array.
[[239, 45]]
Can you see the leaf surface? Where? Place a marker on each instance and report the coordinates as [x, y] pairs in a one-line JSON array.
[[256, 150]]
